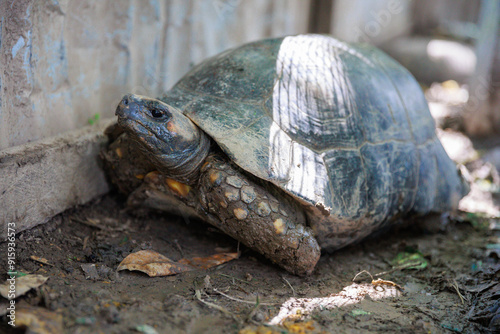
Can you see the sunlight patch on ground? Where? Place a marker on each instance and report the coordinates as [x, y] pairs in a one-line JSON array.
[[458, 57], [458, 146], [300, 308], [482, 176]]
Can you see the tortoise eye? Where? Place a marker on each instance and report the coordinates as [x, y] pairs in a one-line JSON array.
[[156, 113]]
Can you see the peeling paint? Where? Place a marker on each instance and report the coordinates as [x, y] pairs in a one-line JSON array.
[[19, 44], [27, 60], [1, 31], [56, 62], [1, 90], [1, 95]]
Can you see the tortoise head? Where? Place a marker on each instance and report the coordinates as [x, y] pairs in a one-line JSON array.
[[168, 139]]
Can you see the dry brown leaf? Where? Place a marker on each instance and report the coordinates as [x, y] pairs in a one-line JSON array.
[[39, 320], [209, 261], [23, 284], [90, 271], [41, 260], [154, 264]]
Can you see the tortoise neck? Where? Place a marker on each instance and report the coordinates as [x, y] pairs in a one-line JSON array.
[[186, 168]]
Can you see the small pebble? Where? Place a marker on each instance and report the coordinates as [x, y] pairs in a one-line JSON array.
[[259, 317]]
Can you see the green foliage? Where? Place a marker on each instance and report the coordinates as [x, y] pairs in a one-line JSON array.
[[17, 274], [358, 311], [410, 260], [94, 119], [478, 221]]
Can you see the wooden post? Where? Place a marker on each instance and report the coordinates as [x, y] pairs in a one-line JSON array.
[[478, 112], [320, 16]]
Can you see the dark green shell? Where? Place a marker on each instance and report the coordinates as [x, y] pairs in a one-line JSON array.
[[343, 128]]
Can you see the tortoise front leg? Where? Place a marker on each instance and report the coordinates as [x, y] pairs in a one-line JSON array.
[[263, 219], [270, 223]]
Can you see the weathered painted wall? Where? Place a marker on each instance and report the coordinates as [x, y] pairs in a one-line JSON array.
[[62, 62], [373, 21]]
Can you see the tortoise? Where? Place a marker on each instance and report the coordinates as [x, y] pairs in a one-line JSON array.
[[290, 145]]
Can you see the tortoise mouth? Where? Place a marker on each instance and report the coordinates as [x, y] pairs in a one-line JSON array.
[[142, 133], [129, 117], [119, 111]]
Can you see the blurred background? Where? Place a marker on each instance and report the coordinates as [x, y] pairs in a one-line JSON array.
[[65, 64]]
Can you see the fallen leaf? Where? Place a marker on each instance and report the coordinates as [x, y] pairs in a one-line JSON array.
[[41, 260], [154, 264], [90, 271], [210, 261], [39, 320], [146, 329], [300, 327], [22, 284]]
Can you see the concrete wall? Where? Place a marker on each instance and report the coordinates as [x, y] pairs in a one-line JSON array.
[[62, 62]]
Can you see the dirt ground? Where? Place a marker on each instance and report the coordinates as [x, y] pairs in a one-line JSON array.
[[454, 289], [439, 275]]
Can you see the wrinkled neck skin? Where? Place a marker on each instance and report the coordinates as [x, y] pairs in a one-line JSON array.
[[184, 162], [184, 166]]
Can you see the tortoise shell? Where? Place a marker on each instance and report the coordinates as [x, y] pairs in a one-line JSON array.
[[341, 127]]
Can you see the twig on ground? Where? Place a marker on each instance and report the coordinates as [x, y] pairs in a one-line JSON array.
[[291, 287], [215, 306], [41, 260], [85, 241], [379, 282], [235, 278], [401, 267], [362, 272], [179, 248], [455, 286], [243, 301], [89, 222], [254, 310]]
